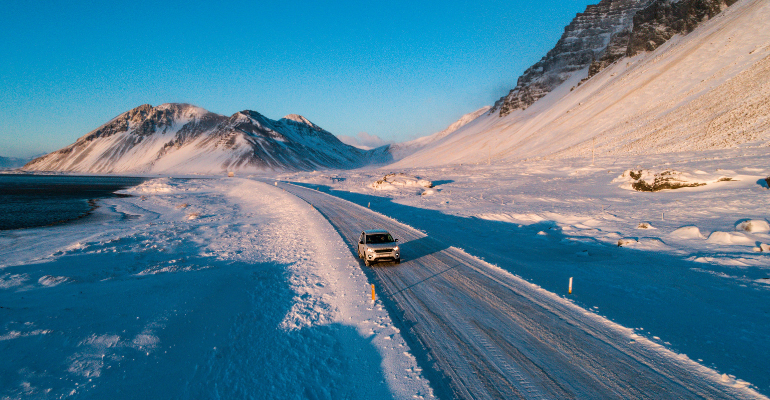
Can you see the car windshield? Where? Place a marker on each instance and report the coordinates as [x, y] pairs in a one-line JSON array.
[[379, 238]]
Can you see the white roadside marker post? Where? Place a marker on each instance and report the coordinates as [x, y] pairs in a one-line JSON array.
[[570, 285]]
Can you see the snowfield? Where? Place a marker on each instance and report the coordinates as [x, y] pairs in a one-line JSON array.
[[255, 297], [687, 268]]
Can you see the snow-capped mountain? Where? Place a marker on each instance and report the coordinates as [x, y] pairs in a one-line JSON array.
[[707, 89], [183, 138]]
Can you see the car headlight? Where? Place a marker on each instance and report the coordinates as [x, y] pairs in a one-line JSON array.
[[370, 250], [395, 248]]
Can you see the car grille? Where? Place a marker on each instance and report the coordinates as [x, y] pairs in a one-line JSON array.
[[383, 251]]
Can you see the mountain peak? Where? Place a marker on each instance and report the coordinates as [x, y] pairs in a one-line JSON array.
[[296, 118], [185, 108]]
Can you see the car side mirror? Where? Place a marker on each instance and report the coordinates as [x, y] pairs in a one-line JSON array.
[[360, 242], [397, 240]]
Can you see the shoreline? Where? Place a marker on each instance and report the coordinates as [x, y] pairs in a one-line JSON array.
[[35, 201]]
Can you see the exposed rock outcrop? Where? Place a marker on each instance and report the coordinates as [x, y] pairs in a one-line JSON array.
[[663, 19], [616, 49], [656, 24], [603, 34], [584, 40]]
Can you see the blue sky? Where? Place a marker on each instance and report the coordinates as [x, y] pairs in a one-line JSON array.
[[394, 69]]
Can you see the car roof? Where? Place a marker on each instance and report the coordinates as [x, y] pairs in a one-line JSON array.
[[374, 231]]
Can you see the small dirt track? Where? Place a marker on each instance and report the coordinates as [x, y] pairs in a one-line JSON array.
[[491, 335]]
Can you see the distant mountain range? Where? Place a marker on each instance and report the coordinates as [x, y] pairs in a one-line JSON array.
[[182, 138], [13, 162], [627, 76]]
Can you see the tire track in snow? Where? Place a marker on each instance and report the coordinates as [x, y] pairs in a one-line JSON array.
[[493, 335]]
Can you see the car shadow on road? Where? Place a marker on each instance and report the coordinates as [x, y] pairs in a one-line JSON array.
[[418, 248]]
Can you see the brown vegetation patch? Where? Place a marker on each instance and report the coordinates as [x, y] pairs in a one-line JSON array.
[[666, 180], [661, 184]]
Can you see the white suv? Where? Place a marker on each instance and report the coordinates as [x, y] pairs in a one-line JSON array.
[[377, 245]]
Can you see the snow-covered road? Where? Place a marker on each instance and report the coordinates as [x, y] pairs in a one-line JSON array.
[[490, 334]]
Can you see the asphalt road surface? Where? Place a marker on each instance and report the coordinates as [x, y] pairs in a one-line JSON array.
[[486, 334]]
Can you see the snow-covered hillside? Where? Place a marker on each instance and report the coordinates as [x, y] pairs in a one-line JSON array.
[[401, 150], [704, 90], [181, 138]]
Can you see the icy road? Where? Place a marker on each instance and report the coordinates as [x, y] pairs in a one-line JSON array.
[[489, 334]]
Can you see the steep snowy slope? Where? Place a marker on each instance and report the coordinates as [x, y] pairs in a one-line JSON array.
[[706, 90], [181, 138], [401, 150]]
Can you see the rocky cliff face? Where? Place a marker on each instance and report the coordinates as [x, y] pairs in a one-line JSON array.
[[584, 40], [655, 24], [605, 33], [186, 139], [663, 19]]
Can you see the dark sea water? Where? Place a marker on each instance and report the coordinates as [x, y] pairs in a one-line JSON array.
[[28, 201]]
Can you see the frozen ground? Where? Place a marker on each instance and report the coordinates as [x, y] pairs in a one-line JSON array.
[[691, 271], [223, 288]]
